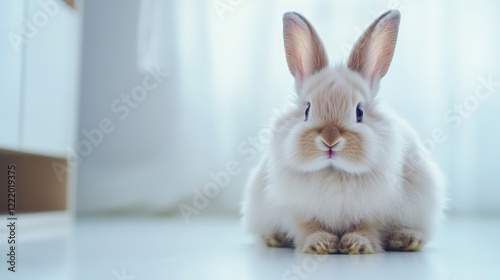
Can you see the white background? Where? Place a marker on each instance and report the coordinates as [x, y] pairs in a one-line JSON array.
[[226, 75]]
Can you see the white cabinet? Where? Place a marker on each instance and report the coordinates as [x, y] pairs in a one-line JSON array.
[[11, 17], [51, 80], [39, 78], [39, 73]]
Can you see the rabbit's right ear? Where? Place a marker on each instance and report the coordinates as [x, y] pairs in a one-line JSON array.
[[305, 53]]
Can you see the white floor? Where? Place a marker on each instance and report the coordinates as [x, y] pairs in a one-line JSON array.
[[119, 248]]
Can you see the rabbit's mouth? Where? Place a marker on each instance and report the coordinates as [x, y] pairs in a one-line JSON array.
[[330, 153]]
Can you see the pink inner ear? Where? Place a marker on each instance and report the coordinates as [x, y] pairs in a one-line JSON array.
[[300, 49], [299, 68], [291, 33], [382, 49]]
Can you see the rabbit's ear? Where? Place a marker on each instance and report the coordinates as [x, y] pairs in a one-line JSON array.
[[305, 53], [372, 54]]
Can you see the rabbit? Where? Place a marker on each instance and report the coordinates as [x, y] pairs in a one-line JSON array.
[[343, 173]]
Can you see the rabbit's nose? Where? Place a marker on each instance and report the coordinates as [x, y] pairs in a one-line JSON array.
[[330, 145]]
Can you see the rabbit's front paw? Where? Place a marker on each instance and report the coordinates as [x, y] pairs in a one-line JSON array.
[[405, 240], [353, 243], [320, 243]]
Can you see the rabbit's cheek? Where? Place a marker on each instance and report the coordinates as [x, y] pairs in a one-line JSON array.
[[307, 149], [353, 150]]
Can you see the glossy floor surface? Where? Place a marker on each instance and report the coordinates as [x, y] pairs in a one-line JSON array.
[[121, 248]]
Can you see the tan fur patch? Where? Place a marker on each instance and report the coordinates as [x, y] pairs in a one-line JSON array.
[[353, 150], [308, 150]]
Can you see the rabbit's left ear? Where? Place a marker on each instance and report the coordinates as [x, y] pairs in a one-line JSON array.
[[372, 54]]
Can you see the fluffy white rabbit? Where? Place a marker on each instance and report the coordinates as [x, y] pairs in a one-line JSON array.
[[343, 173]]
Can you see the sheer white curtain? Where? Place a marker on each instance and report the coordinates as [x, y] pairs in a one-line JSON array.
[[227, 63]]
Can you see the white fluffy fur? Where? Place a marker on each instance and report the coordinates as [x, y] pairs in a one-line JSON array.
[[397, 187]]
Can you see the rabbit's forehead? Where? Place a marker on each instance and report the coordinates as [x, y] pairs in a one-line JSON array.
[[339, 83], [336, 102], [336, 93]]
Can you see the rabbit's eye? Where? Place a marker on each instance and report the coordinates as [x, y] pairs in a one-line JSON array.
[[359, 114], [307, 111]]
